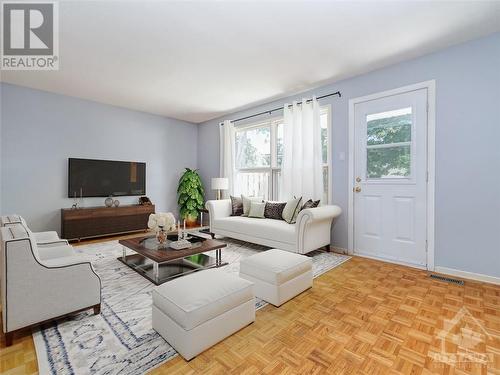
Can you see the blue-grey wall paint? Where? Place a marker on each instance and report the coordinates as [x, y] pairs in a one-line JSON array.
[[42, 130], [467, 197]]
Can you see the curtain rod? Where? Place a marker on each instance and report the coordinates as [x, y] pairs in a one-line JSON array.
[[290, 105]]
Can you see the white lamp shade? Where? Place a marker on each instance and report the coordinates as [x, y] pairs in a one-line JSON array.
[[220, 183]]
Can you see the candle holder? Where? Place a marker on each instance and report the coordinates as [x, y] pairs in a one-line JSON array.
[[161, 235]]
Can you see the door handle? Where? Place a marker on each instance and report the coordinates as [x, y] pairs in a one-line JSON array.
[[357, 189]]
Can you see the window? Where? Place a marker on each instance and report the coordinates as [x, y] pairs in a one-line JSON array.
[[388, 144], [259, 156]]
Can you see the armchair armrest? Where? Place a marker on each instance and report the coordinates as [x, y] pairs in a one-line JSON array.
[[43, 237], [57, 251], [43, 244], [66, 261]]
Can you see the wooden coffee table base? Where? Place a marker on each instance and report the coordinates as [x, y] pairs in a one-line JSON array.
[[158, 273]]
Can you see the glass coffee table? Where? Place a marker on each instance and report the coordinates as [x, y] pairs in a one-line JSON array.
[[160, 263]]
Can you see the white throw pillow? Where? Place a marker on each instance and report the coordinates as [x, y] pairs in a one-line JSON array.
[[291, 210], [257, 209], [246, 203]]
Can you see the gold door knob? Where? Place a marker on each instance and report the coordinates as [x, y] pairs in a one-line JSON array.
[[357, 189]]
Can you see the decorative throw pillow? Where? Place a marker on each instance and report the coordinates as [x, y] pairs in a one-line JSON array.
[[236, 206], [291, 210], [246, 203], [274, 210], [310, 204], [257, 209]]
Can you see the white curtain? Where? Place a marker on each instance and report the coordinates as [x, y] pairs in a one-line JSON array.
[[227, 155], [302, 167]]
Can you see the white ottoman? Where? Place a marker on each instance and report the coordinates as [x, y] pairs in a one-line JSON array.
[[278, 275], [197, 311]]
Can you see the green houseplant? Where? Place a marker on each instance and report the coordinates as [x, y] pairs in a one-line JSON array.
[[191, 195]]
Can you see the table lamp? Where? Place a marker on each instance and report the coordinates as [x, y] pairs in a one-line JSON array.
[[219, 184]]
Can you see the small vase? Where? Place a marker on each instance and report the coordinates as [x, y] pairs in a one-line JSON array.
[[161, 236], [109, 201]]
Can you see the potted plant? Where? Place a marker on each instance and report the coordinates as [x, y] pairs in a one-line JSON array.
[[191, 196]]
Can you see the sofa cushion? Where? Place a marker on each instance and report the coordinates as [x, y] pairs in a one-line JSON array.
[[274, 210], [194, 299], [310, 204], [291, 210], [257, 210], [247, 201], [236, 206], [275, 266], [277, 230]]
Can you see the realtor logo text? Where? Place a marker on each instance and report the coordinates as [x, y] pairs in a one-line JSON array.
[[30, 36]]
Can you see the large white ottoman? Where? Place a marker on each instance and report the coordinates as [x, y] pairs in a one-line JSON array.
[[197, 311], [278, 275]]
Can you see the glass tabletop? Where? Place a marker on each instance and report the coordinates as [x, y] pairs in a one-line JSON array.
[[152, 243]]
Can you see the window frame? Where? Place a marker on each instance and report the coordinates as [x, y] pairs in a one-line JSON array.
[[273, 123]]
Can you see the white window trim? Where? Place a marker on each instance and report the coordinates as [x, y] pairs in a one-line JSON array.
[[272, 123]]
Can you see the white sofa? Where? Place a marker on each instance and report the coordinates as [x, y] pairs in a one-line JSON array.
[[42, 283], [311, 231]]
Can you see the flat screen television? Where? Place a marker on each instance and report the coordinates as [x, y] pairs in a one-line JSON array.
[[102, 178]]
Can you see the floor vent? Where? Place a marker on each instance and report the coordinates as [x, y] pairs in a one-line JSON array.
[[447, 279]]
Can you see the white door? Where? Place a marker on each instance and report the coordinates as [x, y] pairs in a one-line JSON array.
[[390, 172]]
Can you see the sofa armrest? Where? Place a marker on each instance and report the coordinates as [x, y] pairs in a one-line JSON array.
[[313, 227], [319, 213], [218, 209]]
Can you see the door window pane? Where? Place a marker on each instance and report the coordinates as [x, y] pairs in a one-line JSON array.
[[389, 127], [253, 148], [388, 162]]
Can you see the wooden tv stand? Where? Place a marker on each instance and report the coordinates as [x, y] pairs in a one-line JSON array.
[[90, 222]]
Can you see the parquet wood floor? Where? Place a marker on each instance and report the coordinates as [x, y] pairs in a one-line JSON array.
[[364, 317]]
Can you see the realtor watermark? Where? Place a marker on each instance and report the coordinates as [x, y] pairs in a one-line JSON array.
[[30, 35], [463, 342]]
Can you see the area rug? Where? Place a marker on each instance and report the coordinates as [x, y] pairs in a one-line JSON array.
[[120, 340]]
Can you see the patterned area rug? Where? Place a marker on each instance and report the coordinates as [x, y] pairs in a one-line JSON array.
[[120, 340]]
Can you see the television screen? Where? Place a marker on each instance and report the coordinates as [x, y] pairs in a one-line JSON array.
[[102, 178]]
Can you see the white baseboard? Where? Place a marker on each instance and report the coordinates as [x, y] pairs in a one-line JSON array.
[[468, 275]]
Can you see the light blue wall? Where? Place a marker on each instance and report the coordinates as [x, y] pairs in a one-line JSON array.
[[467, 147], [41, 130]]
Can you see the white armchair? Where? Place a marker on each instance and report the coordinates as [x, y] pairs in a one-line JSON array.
[[311, 231], [42, 283], [48, 238]]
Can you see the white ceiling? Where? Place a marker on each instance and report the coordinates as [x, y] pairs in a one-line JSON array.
[[199, 60]]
